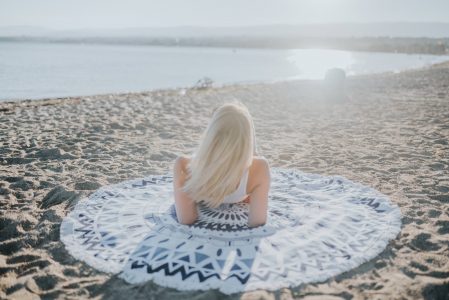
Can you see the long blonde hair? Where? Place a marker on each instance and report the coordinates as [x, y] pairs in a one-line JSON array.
[[226, 149]]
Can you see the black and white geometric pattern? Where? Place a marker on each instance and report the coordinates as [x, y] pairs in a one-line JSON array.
[[317, 227]]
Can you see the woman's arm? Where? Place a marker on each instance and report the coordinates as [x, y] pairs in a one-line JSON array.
[[186, 211], [258, 205]]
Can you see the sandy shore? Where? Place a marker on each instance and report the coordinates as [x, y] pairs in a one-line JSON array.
[[392, 134]]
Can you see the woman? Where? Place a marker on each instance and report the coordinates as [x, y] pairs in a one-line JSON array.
[[224, 169]]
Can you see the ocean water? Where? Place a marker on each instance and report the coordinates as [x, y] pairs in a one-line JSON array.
[[43, 70]]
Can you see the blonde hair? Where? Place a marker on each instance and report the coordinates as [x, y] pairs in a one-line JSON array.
[[225, 151]]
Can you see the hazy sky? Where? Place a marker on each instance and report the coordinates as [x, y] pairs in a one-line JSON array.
[[68, 14]]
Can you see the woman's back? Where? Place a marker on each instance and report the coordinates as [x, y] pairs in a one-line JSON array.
[[246, 182], [240, 193]]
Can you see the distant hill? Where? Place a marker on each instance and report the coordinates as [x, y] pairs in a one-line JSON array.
[[425, 38], [399, 29]]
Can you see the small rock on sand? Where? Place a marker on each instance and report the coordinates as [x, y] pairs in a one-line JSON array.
[[87, 185], [53, 153], [24, 185], [421, 242], [57, 196]]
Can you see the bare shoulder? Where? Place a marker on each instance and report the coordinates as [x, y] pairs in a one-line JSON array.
[[260, 168], [181, 163], [260, 163]]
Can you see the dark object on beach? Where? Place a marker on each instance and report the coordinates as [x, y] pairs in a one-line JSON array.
[[52, 153], [334, 85], [436, 292], [203, 83], [87, 185], [57, 196]]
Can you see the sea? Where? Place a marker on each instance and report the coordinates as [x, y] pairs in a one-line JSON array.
[[31, 70]]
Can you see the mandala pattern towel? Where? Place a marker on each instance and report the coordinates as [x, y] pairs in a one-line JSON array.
[[318, 226]]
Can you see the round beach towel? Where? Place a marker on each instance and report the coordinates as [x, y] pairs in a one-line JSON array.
[[318, 226]]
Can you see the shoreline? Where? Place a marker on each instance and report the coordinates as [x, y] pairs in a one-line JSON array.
[[4, 104], [390, 134]]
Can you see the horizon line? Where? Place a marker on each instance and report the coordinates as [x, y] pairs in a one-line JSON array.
[[228, 26]]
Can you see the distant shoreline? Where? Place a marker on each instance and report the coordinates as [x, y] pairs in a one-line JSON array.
[[408, 45]]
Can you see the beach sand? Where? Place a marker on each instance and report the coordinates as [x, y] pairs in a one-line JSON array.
[[391, 134]]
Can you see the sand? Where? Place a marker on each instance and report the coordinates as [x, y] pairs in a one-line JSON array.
[[391, 133]]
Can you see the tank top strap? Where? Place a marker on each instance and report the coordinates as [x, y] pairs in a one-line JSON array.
[[244, 182], [240, 192]]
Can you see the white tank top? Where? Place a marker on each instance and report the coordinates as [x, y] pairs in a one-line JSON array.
[[240, 193]]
